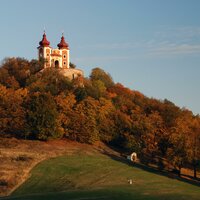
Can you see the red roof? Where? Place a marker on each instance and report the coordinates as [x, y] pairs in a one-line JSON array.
[[44, 42], [63, 44]]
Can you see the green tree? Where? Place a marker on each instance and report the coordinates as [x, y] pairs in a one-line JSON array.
[[50, 80], [36, 66], [170, 113], [99, 74], [72, 65], [80, 93], [42, 117]]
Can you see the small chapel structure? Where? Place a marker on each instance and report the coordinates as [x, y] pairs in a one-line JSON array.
[[57, 58]]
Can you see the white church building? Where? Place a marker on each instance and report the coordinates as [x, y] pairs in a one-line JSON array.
[[57, 58]]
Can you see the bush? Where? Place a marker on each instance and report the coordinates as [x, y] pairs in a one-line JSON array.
[[3, 182], [23, 158]]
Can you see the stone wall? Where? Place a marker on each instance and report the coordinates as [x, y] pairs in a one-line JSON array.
[[71, 73]]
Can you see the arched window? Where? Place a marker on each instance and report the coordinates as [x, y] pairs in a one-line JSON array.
[[56, 64]]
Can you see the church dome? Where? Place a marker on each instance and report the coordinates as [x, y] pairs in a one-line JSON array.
[[44, 42], [63, 44]]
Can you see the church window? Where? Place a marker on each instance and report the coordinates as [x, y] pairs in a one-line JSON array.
[[64, 56], [56, 64], [64, 63]]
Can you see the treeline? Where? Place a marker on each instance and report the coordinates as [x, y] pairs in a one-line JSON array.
[[35, 105]]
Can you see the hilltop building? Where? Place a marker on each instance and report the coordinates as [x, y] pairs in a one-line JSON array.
[[57, 58]]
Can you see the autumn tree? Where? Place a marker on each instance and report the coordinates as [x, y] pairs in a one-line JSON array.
[[12, 112], [153, 138], [177, 152], [184, 139], [170, 112], [8, 80], [105, 120], [124, 137], [18, 68], [193, 144], [83, 121], [65, 104]]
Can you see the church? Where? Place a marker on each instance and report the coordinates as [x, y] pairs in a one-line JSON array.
[[58, 58]]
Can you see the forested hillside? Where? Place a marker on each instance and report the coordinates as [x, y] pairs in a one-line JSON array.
[[42, 106]]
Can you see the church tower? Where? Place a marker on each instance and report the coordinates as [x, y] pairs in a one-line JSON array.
[[64, 48], [44, 51]]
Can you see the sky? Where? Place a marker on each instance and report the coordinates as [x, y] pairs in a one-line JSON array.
[[152, 46]]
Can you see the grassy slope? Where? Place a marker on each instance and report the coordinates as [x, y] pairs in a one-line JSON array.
[[99, 177], [18, 157]]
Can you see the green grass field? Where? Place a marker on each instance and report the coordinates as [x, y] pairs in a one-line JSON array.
[[81, 177]]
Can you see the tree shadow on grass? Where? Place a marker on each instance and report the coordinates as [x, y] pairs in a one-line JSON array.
[[169, 174]]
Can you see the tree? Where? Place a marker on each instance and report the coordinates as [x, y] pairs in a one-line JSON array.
[[8, 80], [72, 65], [177, 152], [80, 93], [99, 74], [83, 121], [18, 68], [170, 113], [193, 144], [65, 104], [50, 80], [185, 141], [12, 117], [105, 121], [154, 141], [36, 66], [123, 137], [95, 89], [99, 89], [42, 117]]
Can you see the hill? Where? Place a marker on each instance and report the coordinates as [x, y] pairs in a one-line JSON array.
[[98, 176], [18, 157], [72, 170], [45, 105]]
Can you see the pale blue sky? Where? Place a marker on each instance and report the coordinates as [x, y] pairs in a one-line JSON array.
[[148, 45]]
